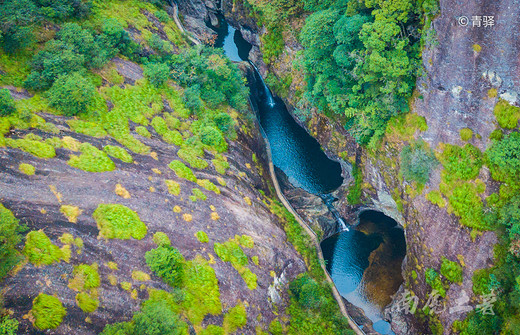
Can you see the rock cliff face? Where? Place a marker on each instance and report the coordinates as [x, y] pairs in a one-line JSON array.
[[240, 208], [460, 68]]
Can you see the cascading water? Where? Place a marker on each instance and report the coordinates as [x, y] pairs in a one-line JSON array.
[[267, 91]]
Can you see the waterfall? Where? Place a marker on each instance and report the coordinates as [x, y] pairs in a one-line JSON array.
[[327, 200], [269, 96]]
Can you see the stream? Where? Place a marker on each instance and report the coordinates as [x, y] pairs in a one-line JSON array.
[[364, 262]]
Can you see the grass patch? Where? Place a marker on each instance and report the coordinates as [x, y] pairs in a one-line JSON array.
[[434, 280], [182, 171], [221, 165], [140, 276], [197, 195], [435, 197], [27, 169], [235, 318], [85, 277], [506, 114], [119, 153], [71, 212], [230, 251], [191, 156], [461, 162], [118, 221], [122, 192], [169, 136], [173, 187], [87, 128], [41, 251], [403, 126], [143, 131], [202, 237], [91, 160], [88, 303], [161, 239], [246, 241], [354, 191], [48, 311], [10, 230], [35, 148], [208, 185], [466, 134]]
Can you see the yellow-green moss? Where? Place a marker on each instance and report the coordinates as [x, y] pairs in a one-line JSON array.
[[506, 115], [35, 148], [91, 160], [477, 48], [202, 236], [27, 169], [161, 239], [119, 153], [173, 186], [48, 311], [140, 276], [466, 134], [71, 212], [40, 250], [235, 318]]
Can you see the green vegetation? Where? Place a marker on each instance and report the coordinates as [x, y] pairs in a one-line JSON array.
[[27, 169], [208, 185], [118, 221], [41, 251], [48, 311], [169, 136], [119, 153], [191, 156], [435, 197], [173, 186], [91, 159], [504, 157], [10, 230], [246, 241], [7, 106], [168, 263], [85, 281], [161, 239], [86, 302], [230, 251], [8, 326], [202, 237], [220, 165], [461, 162], [506, 114], [235, 318], [143, 131], [182, 171], [354, 191], [71, 213], [34, 147], [417, 161], [87, 128], [451, 270], [157, 73], [72, 94], [197, 194], [434, 280], [466, 134], [360, 61]]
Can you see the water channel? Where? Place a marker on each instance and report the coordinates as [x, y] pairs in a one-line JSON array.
[[364, 262]]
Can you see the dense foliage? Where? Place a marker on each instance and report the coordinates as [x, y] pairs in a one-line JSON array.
[[361, 60], [168, 263], [417, 161], [9, 238]]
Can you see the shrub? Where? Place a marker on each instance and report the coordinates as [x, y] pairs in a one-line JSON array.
[[48, 311], [202, 236], [436, 198], [182, 171], [7, 106], [156, 318], [235, 318], [118, 221], [506, 114], [275, 327], [27, 169], [212, 330], [467, 204], [451, 270], [71, 94], [162, 16], [220, 165], [168, 263], [417, 161], [213, 138], [157, 73], [225, 123], [8, 326], [119, 153], [40, 250], [461, 162], [87, 303], [433, 279], [161, 239], [306, 291], [9, 238], [91, 159], [86, 277], [505, 156]]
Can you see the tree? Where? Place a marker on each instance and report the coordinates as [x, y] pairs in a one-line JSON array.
[[71, 94], [156, 318], [7, 106], [15, 18], [417, 161], [157, 73], [505, 154], [9, 238]]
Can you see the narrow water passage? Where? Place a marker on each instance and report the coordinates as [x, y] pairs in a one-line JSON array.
[[364, 262]]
